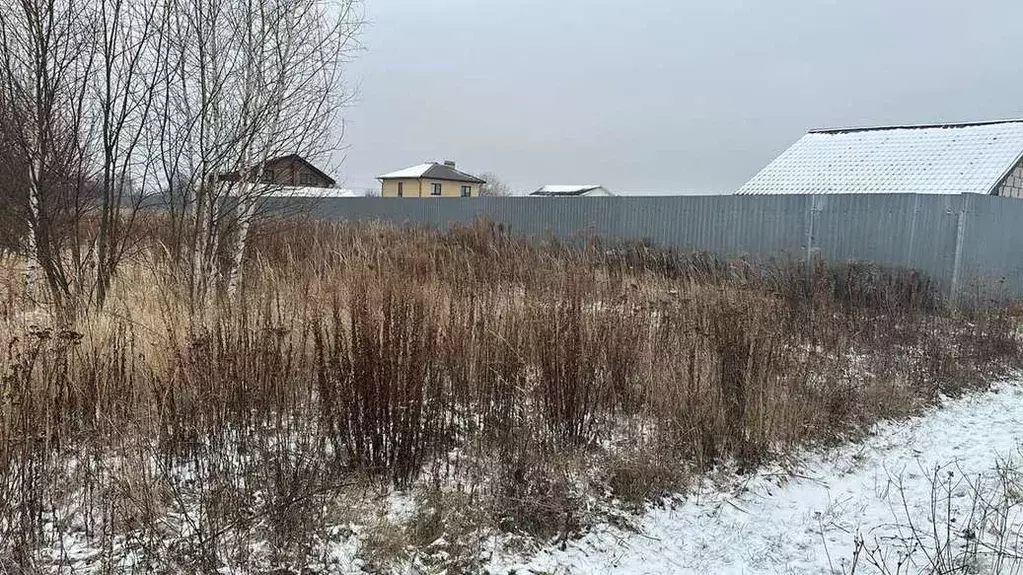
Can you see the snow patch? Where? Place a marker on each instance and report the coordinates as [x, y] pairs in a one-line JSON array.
[[785, 521]]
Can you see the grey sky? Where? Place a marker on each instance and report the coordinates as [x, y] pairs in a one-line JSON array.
[[662, 95]]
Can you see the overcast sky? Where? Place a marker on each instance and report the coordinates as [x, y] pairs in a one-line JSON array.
[[665, 96]]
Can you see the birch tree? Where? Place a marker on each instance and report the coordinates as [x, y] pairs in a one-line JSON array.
[[291, 94], [247, 81]]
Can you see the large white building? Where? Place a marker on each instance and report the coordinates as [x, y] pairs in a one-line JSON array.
[[974, 158]]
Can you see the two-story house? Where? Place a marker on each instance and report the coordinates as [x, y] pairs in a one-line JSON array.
[[291, 171], [430, 180]]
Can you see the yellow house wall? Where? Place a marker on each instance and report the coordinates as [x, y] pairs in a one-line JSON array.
[[449, 189], [389, 188]]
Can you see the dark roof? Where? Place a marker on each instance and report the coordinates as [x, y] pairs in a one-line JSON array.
[[232, 176], [445, 172], [302, 161]]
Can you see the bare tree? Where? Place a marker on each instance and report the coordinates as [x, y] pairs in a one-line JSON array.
[[493, 186], [160, 94], [292, 92], [78, 77], [247, 81], [45, 61], [13, 184], [131, 41]]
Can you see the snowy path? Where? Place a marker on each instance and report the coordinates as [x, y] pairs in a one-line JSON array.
[[776, 525]]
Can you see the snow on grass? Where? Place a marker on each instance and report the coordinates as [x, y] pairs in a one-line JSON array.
[[807, 520]]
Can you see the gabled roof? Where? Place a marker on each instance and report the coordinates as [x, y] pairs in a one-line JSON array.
[[569, 190], [924, 159], [304, 162], [433, 171], [233, 176]]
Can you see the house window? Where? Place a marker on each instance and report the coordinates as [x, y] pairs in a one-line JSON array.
[[307, 179], [436, 190], [466, 191], [401, 189], [268, 175]]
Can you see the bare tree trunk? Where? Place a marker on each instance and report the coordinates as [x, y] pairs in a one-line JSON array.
[[32, 242], [245, 212]]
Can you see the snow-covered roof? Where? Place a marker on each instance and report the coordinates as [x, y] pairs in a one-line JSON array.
[[432, 170], [577, 188], [569, 190], [313, 192], [928, 159], [416, 171]]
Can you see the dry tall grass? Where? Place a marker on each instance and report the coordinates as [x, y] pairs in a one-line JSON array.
[[522, 375]]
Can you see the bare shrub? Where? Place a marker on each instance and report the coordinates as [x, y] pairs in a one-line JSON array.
[[974, 525], [644, 475], [378, 380], [537, 496]]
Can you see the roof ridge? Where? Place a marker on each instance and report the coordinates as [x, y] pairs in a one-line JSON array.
[[848, 129]]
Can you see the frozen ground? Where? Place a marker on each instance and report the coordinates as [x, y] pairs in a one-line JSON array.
[[921, 470]]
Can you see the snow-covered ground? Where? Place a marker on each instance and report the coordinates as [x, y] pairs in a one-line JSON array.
[[801, 517], [919, 471]]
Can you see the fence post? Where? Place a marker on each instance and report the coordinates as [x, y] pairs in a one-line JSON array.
[[813, 207], [911, 248], [957, 261]]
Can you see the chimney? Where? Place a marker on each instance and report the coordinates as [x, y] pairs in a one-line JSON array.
[[449, 163]]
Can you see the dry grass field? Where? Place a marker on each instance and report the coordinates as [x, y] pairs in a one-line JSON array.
[[505, 385]]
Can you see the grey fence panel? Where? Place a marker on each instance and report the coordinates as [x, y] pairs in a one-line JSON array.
[[906, 230], [962, 242], [992, 247], [738, 225], [932, 230]]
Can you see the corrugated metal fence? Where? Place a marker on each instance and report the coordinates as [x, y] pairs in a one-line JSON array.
[[963, 242]]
